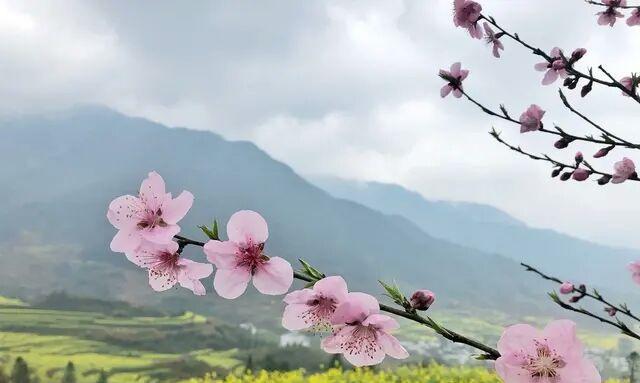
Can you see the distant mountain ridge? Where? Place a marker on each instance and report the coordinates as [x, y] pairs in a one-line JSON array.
[[491, 230], [72, 164]]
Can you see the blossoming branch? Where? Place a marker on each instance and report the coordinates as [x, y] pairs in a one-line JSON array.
[[352, 323]]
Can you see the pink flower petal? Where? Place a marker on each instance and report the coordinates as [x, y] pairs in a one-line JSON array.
[[247, 226], [194, 270], [125, 241], [516, 338], [123, 212], [292, 318], [160, 234], [173, 210], [561, 335], [194, 285], [392, 347], [161, 280], [583, 371], [445, 90], [355, 308], [549, 77], [382, 322], [455, 69], [231, 283], [274, 277], [541, 67], [221, 253], [299, 296], [457, 93], [334, 286], [152, 190]]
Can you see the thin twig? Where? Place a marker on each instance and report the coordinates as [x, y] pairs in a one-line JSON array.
[[622, 308], [607, 6], [570, 69], [558, 132]]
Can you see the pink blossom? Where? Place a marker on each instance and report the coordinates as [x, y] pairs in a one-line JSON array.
[[623, 170], [314, 308], [466, 14], [422, 299], [554, 354], [454, 76], [152, 215], [630, 83], [531, 119], [581, 174], [634, 267], [493, 39], [361, 333], [166, 267], [566, 288], [555, 68], [610, 15], [242, 258], [634, 19]]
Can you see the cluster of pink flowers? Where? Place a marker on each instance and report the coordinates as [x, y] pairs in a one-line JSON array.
[[612, 13], [356, 328], [146, 226]]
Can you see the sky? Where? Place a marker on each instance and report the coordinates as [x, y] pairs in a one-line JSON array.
[[342, 88]]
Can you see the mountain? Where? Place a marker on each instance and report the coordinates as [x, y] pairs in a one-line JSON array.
[[491, 230], [63, 169]]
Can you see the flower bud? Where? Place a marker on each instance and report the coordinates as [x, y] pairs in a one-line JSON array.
[[577, 54], [586, 89], [574, 299], [566, 288], [581, 174], [604, 180], [612, 311], [555, 172], [565, 176], [567, 81], [603, 152], [422, 299], [561, 143], [579, 157]]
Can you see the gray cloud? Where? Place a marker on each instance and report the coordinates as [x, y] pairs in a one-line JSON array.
[[343, 88]]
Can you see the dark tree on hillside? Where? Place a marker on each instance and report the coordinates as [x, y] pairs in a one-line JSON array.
[[632, 359], [69, 374], [20, 371], [103, 377]]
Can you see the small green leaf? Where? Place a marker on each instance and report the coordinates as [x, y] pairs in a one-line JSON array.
[[211, 233]]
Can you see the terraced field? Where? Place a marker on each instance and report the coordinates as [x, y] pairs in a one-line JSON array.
[[48, 339]]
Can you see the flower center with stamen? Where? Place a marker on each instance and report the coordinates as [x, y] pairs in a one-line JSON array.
[[363, 340], [544, 365], [251, 257], [151, 219], [165, 261], [319, 313]]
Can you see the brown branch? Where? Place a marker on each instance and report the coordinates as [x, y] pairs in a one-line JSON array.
[[495, 134], [488, 352], [622, 308], [606, 133], [559, 132], [613, 83], [598, 3]]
